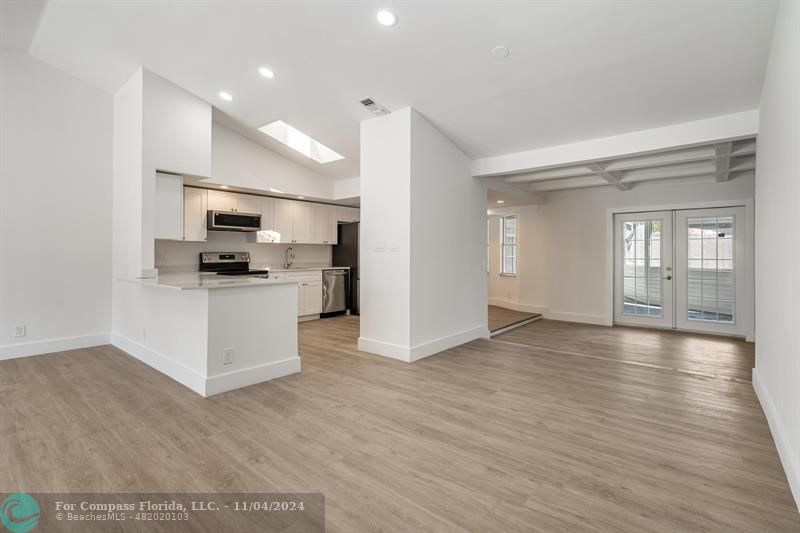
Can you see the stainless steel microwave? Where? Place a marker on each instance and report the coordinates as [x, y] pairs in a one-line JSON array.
[[233, 221]]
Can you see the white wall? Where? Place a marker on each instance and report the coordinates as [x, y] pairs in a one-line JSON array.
[[776, 377], [240, 162], [423, 280], [386, 224], [55, 209], [563, 250], [448, 266], [346, 188]]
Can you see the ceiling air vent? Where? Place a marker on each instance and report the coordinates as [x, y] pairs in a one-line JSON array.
[[374, 107]]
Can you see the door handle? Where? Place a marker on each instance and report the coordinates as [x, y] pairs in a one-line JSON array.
[[668, 277]]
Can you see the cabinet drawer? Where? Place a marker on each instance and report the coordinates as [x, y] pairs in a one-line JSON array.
[[304, 276]]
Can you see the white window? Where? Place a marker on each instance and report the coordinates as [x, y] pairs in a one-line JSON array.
[[508, 258]]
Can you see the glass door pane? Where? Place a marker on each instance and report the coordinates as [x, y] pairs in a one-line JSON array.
[[710, 270], [642, 268], [710, 264], [643, 291]]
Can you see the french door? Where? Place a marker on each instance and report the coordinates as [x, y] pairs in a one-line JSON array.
[[681, 269]]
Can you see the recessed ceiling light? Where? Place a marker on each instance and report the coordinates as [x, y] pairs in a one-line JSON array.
[[267, 73], [225, 96], [501, 201], [223, 186], [387, 18], [299, 141], [500, 52]]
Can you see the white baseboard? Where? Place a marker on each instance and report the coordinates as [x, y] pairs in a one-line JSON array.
[[410, 354], [250, 376], [385, 349], [788, 455], [27, 349], [180, 373], [517, 306], [600, 320], [441, 344]]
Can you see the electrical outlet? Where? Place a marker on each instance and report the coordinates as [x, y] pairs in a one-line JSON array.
[[19, 331], [227, 356]]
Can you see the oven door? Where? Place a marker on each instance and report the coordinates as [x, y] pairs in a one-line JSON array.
[[229, 221]]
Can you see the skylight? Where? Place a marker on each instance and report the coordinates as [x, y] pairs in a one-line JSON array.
[[297, 140]]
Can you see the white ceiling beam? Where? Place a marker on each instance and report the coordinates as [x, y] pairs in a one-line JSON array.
[[675, 171], [690, 134], [530, 197], [723, 161], [746, 147], [611, 177], [556, 173], [568, 183], [662, 159]]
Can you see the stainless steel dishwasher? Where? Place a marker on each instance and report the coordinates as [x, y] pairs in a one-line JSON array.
[[334, 290]]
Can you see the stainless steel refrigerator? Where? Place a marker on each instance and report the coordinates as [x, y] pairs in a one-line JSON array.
[[345, 254]]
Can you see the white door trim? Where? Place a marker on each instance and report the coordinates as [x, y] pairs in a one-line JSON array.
[[748, 313]]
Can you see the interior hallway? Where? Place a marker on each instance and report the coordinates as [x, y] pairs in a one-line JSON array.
[[494, 435]]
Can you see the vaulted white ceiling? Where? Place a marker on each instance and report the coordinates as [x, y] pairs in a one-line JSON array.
[[577, 70]]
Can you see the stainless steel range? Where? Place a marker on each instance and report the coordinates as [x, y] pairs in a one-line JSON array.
[[230, 264]]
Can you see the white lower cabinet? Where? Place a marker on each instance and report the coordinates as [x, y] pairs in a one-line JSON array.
[[309, 291], [312, 295]]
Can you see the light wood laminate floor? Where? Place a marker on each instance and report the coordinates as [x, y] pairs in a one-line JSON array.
[[689, 353], [491, 436], [501, 317]]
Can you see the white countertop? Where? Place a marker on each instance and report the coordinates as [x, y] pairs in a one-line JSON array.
[[196, 280], [208, 280], [303, 269]]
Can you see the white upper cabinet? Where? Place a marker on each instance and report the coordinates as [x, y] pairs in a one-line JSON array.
[[326, 224], [282, 219], [304, 217], [169, 207], [296, 222], [266, 207], [231, 201], [195, 214], [221, 201], [248, 203]]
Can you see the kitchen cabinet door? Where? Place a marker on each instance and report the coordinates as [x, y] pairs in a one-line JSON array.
[[326, 223], [195, 214], [282, 219], [221, 201], [266, 208], [312, 304], [247, 203], [318, 215], [332, 225], [303, 222], [169, 207]]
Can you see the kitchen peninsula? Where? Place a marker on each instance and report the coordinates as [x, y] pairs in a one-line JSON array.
[[215, 334]]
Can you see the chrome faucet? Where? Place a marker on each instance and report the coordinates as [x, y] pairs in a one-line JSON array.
[[288, 257]]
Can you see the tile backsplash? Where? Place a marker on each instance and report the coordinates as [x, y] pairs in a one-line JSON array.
[[177, 255]]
